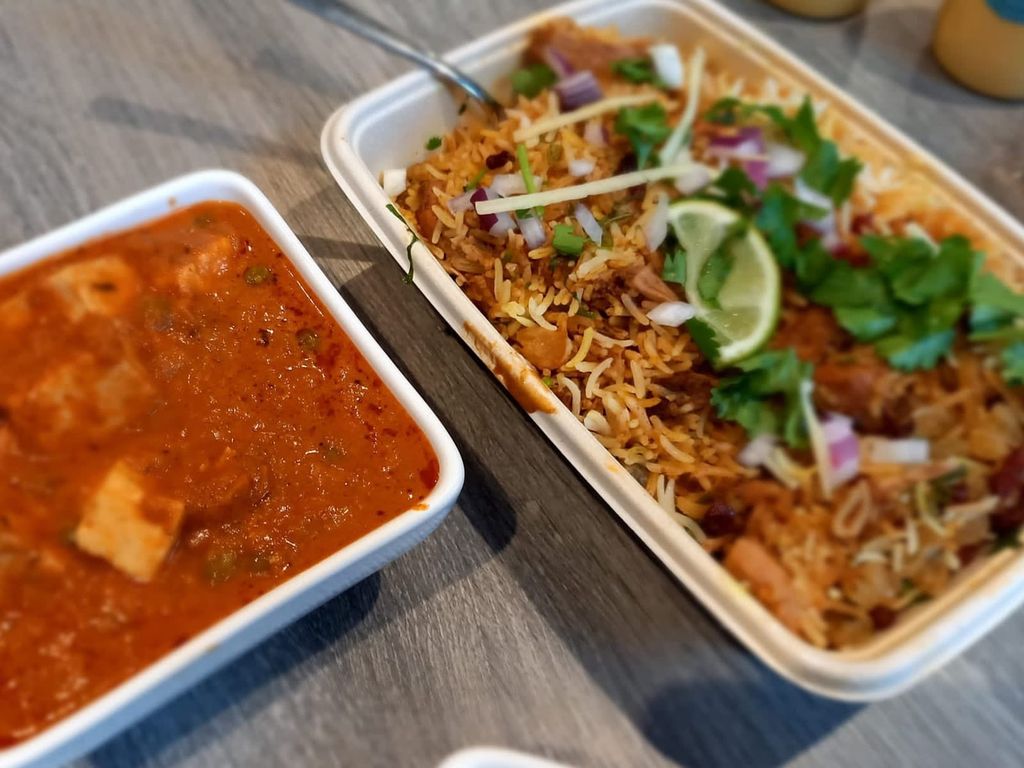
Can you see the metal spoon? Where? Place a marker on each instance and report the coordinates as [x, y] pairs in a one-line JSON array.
[[344, 15]]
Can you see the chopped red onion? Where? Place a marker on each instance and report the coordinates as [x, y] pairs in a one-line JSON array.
[[747, 146], [393, 181], [757, 451], [461, 203], [911, 450], [487, 220], [747, 135], [505, 184], [532, 229], [843, 448], [693, 179], [594, 135], [503, 225], [783, 160], [498, 224], [656, 226], [558, 62], [826, 225], [588, 223], [581, 167], [668, 64], [672, 314], [578, 90]]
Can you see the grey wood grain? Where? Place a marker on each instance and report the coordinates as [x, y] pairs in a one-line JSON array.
[[532, 618]]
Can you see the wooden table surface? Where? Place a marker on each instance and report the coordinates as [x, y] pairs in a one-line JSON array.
[[532, 618]]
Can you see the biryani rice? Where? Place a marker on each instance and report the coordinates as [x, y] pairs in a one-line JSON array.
[[643, 389]]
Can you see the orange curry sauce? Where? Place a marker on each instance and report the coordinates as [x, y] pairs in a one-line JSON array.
[[183, 426]]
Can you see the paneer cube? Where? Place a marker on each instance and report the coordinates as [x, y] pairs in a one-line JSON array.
[[104, 286], [128, 525], [210, 257], [82, 399]]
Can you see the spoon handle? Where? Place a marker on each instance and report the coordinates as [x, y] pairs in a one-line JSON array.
[[357, 22]]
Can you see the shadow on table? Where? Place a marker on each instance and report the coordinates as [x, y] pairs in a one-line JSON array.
[[759, 723], [242, 687], [122, 112], [689, 688]]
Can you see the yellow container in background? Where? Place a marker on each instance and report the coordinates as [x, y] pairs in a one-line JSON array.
[[981, 44], [821, 9]]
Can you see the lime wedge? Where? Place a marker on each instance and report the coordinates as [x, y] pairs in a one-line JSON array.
[[745, 310]]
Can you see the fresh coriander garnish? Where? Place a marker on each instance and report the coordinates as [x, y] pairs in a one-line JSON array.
[[533, 79], [674, 268], [645, 126], [719, 264], [408, 249], [566, 241], [823, 169], [434, 142], [636, 70], [474, 182], [764, 397]]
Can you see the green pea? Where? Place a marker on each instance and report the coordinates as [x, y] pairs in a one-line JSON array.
[[257, 275], [221, 565], [308, 339]]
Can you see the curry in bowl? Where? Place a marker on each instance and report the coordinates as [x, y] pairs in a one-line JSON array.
[[183, 426]]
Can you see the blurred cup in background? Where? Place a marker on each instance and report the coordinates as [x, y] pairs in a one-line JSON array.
[[980, 43], [821, 9]]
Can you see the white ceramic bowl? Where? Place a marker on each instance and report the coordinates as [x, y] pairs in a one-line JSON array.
[[387, 129], [495, 757], [251, 624]]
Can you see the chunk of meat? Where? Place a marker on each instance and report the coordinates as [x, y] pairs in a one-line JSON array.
[[1007, 483], [864, 388], [650, 284], [128, 525], [426, 219], [104, 286], [209, 258], [812, 333], [751, 563], [543, 347], [580, 48], [81, 399]]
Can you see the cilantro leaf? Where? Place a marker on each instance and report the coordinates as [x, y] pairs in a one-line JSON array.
[[909, 353], [408, 249], [674, 269], [848, 286], [566, 241], [1013, 363], [824, 169], [533, 79], [777, 219], [713, 275], [645, 126], [764, 397], [636, 70], [734, 189], [730, 111], [918, 278], [866, 323], [434, 142], [992, 293], [716, 269], [705, 338]]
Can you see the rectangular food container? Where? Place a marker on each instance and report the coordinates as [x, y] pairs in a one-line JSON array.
[[386, 129], [253, 623]]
